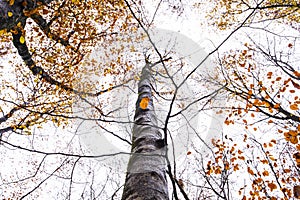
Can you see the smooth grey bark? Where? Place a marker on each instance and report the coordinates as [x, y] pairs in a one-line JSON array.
[[146, 174]]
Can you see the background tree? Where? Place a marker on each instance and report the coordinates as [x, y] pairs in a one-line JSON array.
[[263, 80]]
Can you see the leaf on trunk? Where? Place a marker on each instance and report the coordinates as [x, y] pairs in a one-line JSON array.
[[144, 103], [22, 40]]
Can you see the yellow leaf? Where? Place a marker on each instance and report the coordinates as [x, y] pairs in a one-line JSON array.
[[144, 102], [272, 158], [22, 39], [136, 77], [3, 32], [28, 132], [28, 13], [11, 2], [10, 14], [132, 49]]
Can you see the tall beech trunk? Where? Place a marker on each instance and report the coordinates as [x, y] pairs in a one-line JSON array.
[[146, 174]]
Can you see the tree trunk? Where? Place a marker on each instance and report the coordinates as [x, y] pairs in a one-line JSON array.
[[146, 175]]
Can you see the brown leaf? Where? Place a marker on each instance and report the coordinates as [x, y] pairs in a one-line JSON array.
[[297, 191], [296, 85]]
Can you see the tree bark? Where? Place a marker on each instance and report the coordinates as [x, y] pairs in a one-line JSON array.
[[16, 11], [146, 174]]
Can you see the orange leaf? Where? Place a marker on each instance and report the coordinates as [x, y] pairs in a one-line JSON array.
[[269, 73], [265, 145], [236, 167], [241, 157], [250, 171], [144, 103], [264, 161], [265, 173], [277, 105], [294, 106], [297, 73], [242, 64], [293, 133], [286, 81], [274, 141], [293, 140], [226, 165], [272, 186]]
